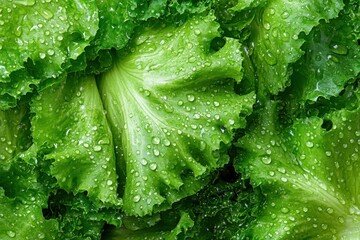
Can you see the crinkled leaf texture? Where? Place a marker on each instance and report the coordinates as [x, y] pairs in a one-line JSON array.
[[171, 225], [274, 38], [14, 133], [38, 39], [117, 20], [308, 173], [69, 126], [332, 57], [171, 106], [22, 198]]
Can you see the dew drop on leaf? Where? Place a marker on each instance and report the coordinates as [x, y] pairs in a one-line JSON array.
[[339, 49], [285, 15], [153, 166], [11, 234], [190, 98], [155, 140], [136, 198]]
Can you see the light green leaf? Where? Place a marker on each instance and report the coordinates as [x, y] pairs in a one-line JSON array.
[[38, 39], [69, 126], [171, 106], [275, 39], [116, 24], [308, 173]]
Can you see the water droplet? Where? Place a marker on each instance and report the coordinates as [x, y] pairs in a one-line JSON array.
[[155, 140], [329, 210], [136, 198], [109, 182], [267, 25], [272, 11], [285, 36], [333, 58], [197, 32], [147, 93], [46, 14], [156, 152], [275, 32], [339, 49], [41, 235], [192, 59], [284, 210], [216, 104], [309, 144], [11, 233], [305, 209], [319, 73], [196, 116], [231, 122], [190, 98], [42, 55], [18, 31], [168, 108], [50, 52], [97, 148], [270, 58], [180, 103], [153, 166], [167, 142], [285, 15], [328, 153], [284, 179], [341, 219], [266, 160], [143, 162]]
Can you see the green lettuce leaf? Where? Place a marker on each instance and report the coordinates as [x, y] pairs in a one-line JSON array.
[[78, 217], [38, 40], [170, 225], [20, 220], [308, 173], [223, 210], [117, 20], [171, 106], [332, 57], [275, 41], [15, 134], [22, 198], [69, 126]]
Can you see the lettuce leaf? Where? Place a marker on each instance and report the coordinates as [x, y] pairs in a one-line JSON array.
[[39, 39], [308, 173], [275, 38], [15, 134], [332, 57], [70, 128], [22, 198], [171, 106]]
